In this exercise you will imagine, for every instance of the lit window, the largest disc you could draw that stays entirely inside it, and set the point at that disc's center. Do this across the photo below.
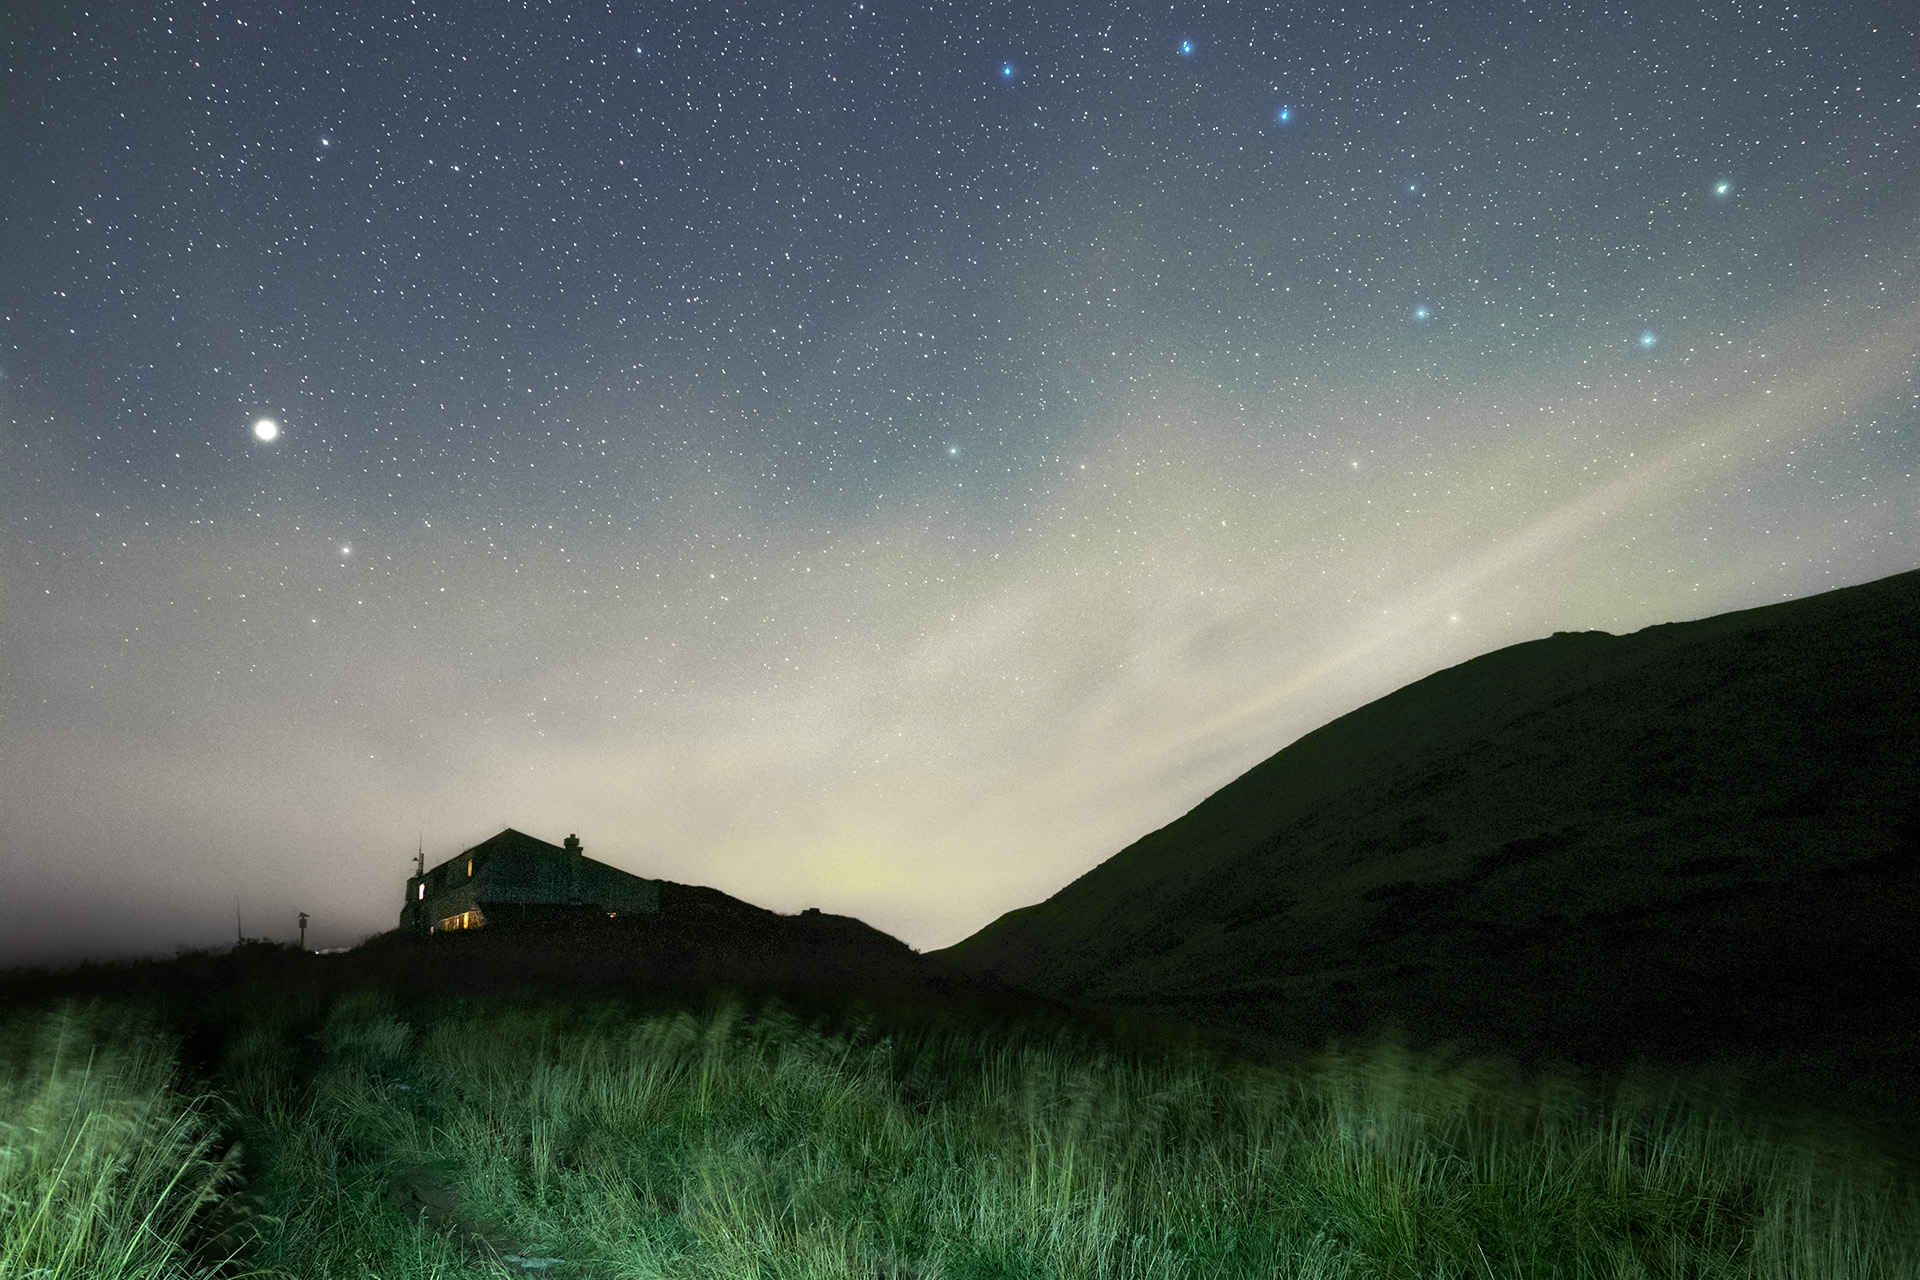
(423, 891)
(469, 866)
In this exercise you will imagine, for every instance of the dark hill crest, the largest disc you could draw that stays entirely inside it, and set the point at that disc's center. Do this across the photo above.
(1697, 842)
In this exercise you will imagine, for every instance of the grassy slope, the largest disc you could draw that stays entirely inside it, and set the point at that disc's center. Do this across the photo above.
(107, 1170)
(727, 1144)
(437, 1134)
(1696, 840)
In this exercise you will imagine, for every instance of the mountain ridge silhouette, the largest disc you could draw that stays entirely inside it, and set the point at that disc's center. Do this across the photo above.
(1696, 843)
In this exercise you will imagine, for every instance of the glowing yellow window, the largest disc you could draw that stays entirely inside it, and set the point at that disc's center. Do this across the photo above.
(469, 866)
(423, 891)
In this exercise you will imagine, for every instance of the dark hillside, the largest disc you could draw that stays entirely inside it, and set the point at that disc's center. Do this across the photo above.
(701, 944)
(1696, 843)
(699, 938)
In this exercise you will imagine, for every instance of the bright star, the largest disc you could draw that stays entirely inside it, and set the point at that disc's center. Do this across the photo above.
(1286, 114)
(1186, 48)
(1419, 313)
(266, 429)
(1646, 339)
(1723, 188)
(953, 451)
(1006, 71)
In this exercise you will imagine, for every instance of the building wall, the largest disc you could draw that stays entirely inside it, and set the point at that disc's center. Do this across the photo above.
(515, 871)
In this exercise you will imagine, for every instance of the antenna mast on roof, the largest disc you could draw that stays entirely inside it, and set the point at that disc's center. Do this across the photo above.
(420, 858)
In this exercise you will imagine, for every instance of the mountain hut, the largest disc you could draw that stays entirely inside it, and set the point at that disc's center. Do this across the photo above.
(513, 876)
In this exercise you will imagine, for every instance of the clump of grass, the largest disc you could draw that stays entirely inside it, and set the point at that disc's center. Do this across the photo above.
(730, 1145)
(107, 1171)
(329, 1141)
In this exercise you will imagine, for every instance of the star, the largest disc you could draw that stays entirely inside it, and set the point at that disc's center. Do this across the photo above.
(713, 313)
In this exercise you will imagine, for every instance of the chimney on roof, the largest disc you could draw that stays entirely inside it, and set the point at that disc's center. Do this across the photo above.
(573, 846)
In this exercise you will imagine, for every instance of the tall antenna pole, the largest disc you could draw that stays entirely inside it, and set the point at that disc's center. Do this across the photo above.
(420, 858)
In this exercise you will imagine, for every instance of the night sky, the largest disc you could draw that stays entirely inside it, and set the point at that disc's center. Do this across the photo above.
(883, 457)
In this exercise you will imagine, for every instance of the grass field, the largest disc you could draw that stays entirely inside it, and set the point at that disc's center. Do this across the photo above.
(107, 1170)
(485, 1138)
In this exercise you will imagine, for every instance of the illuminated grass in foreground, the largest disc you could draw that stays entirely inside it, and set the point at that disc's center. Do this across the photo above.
(614, 1144)
(107, 1170)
